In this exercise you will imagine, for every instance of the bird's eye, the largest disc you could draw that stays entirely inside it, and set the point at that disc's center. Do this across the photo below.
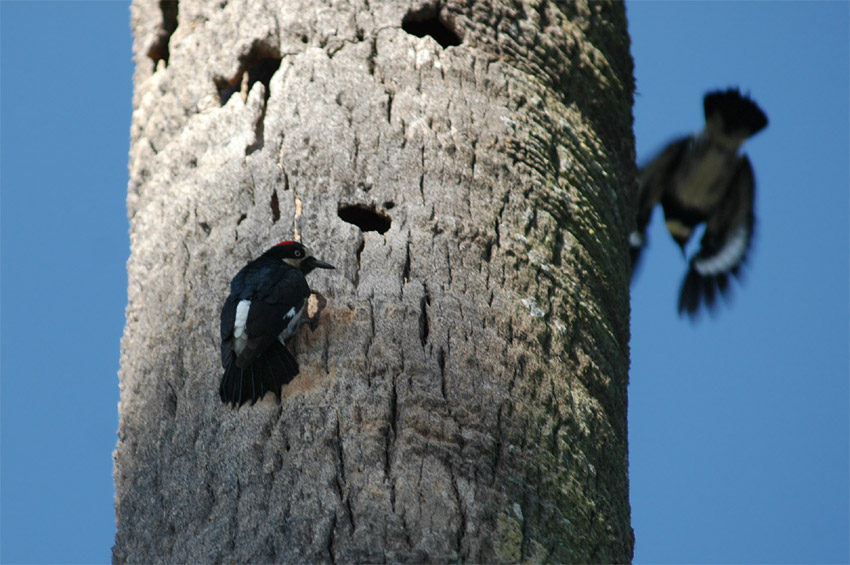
(297, 253)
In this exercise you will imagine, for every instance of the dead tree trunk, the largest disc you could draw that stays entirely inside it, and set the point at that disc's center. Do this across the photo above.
(464, 165)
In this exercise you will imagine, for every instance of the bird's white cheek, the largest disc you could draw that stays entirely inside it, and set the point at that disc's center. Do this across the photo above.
(240, 338)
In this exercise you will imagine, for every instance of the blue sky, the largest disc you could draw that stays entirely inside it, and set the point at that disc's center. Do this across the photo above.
(739, 423)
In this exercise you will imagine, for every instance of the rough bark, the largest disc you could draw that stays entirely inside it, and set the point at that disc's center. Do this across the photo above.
(464, 395)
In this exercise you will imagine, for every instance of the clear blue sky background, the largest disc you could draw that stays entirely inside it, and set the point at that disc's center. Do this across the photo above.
(738, 424)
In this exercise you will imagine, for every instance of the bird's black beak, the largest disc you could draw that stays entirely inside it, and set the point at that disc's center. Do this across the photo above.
(313, 263)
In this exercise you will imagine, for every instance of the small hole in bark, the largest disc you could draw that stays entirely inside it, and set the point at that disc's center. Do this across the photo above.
(261, 63)
(389, 205)
(159, 50)
(364, 217)
(275, 204)
(428, 22)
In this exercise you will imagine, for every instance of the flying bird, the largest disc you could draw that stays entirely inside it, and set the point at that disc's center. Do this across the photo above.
(703, 179)
(267, 301)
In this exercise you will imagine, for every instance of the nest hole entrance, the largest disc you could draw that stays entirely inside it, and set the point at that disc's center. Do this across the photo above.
(261, 63)
(429, 22)
(364, 217)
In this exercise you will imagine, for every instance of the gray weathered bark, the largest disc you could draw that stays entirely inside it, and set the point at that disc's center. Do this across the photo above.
(464, 395)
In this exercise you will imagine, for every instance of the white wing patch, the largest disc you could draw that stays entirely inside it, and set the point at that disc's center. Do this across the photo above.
(728, 257)
(239, 335)
(291, 320)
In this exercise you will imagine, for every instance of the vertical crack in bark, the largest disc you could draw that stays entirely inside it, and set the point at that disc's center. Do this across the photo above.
(499, 217)
(558, 251)
(341, 481)
(373, 53)
(420, 498)
(424, 322)
(326, 352)
(369, 341)
(331, 538)
(253, 191)
(285, 177)
(391, 433)
(441, 361)
(406, 527)
(357, 254)
(422, 174)
(461, 530)
(405, 272)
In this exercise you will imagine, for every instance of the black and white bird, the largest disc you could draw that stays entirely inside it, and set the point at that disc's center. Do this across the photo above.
(267, 301)
(702, 178)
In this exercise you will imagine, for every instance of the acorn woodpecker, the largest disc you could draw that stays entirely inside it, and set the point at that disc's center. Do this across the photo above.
(268, 298)
(699, 179)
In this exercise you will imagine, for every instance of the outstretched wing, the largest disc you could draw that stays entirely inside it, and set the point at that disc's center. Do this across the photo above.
(654, 179)
(725, 244)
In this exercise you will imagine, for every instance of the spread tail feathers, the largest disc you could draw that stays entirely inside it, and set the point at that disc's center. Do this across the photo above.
(700, 289)
(269, 372)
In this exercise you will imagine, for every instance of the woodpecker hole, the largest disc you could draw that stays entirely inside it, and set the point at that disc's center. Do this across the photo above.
(275, 205)
(427, 21)
(364, 217)
(159, 50)
(261, 63)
